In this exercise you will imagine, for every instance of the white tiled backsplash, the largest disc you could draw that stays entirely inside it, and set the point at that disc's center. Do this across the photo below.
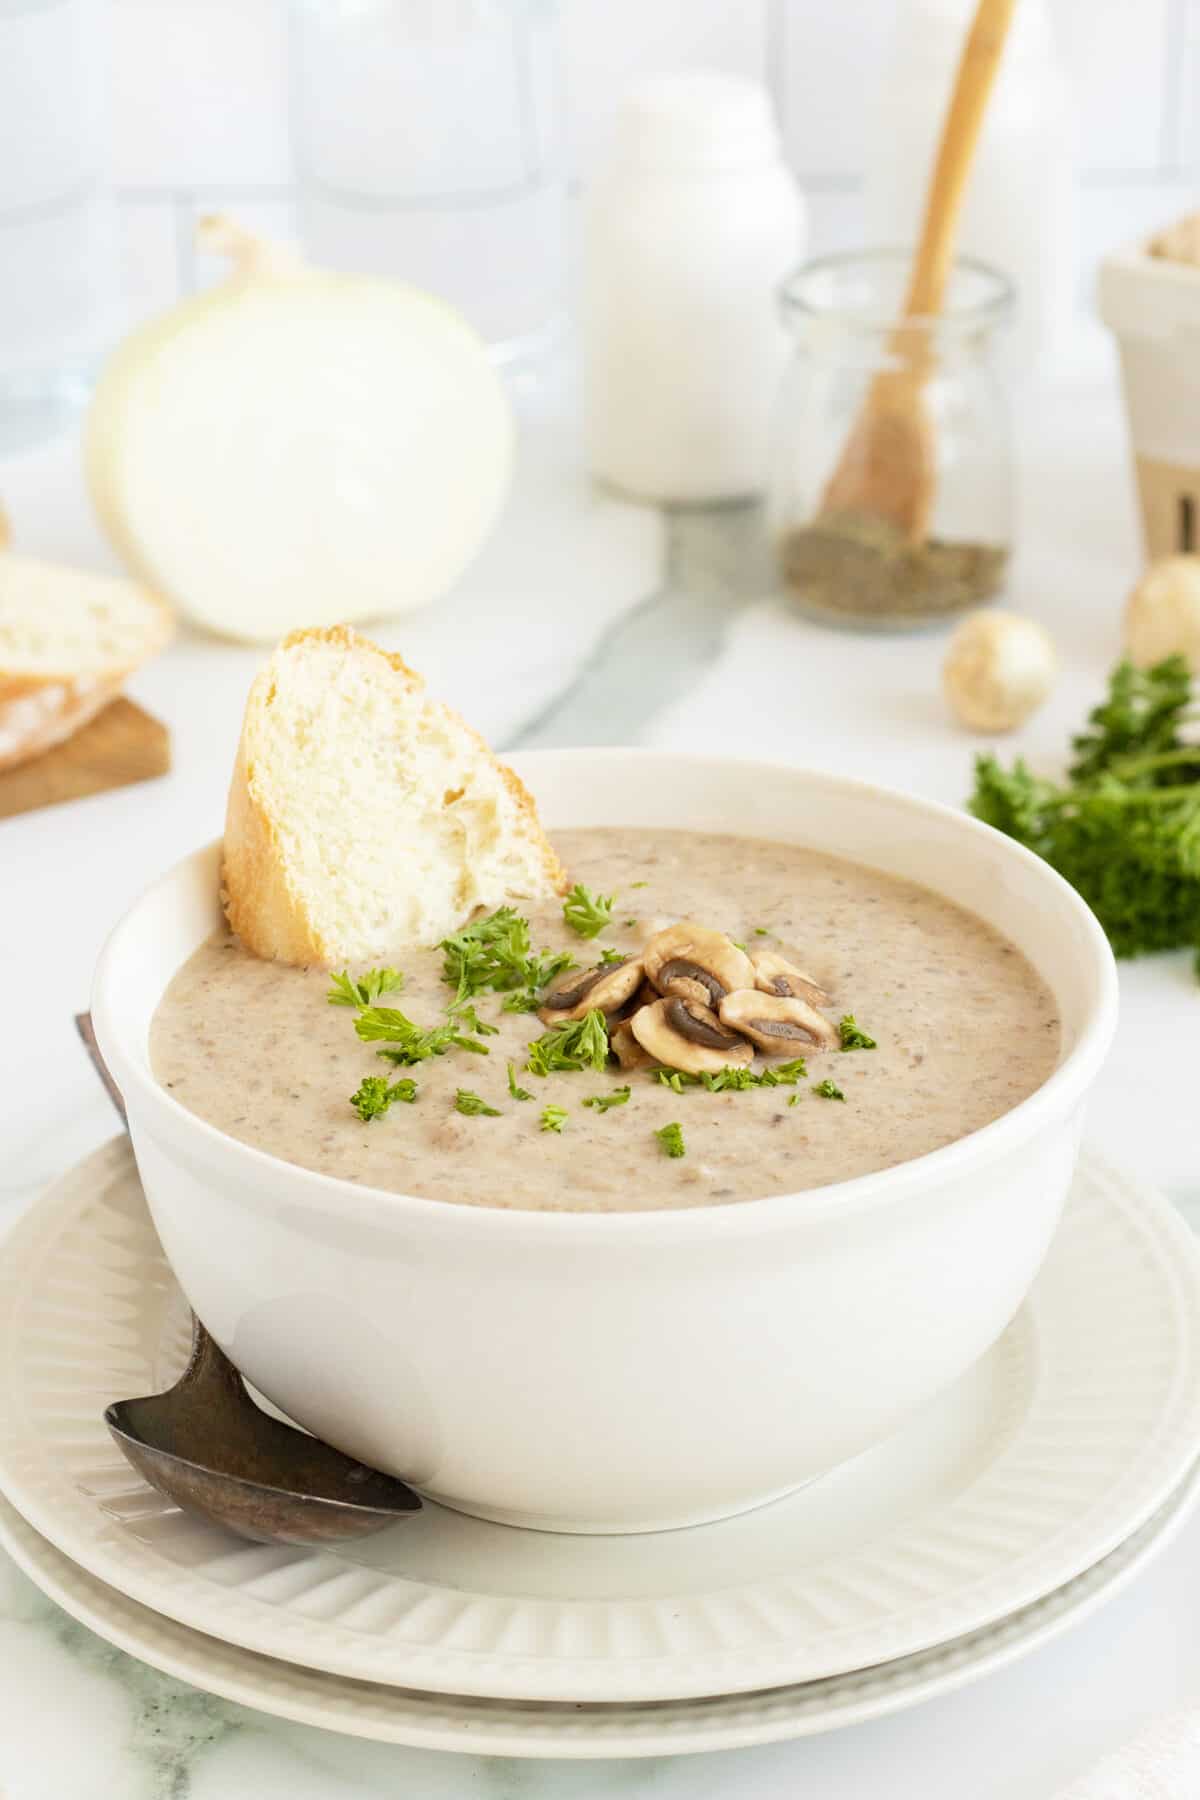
(200, 106)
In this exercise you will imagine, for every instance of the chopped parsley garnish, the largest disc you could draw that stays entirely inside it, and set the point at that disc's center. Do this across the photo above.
(671, 1139)
(553, 1118)
(852, 1037)
(366, 990)
(494, 953)
(473, 1105)
(518, 1093)
(587, 913)
(761, 931)
(582, 1044)
(793, 1099)
(1124, 827)
(734, 1079)
(543, 970)
(675, 1079)
(384, 1024)
(463, 1012)
(603, 1102)
(405, 1042)
(638, 884)
(828, 1090)
(608, 958)
(737, 1079)
(374, 1095)
(738, 944)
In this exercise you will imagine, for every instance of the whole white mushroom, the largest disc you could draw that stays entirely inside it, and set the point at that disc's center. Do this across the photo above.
(998, 670)
(1163, 614)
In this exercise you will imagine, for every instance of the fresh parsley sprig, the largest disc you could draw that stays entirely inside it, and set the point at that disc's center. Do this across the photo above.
(408, 1043)
(553, 1118)
(375, 1094)
(735, 1078)
(587, 913)
(366, 990)
(495, 954)
(1124, 828)
(473, 1105)
(1140, 717)
(671, 1140)
(463, 1012)
(582, 1044)
(605, 1102)
(852, 1036)
(518, 1093)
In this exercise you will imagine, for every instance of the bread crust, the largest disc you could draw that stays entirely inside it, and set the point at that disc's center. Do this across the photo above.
(40, 710)
(261, 904)
(36, 715)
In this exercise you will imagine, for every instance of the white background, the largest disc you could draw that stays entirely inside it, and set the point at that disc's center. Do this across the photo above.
(200, 106)
(199, 90)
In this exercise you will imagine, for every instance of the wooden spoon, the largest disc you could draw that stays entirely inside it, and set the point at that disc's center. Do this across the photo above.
(887, 468)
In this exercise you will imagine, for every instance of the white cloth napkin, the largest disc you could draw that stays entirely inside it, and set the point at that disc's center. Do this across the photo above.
(1161, 1763)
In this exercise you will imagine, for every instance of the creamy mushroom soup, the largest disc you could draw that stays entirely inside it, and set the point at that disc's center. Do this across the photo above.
(731, 1092)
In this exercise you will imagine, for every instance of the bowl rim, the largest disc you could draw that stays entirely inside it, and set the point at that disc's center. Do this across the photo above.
(988, 1144)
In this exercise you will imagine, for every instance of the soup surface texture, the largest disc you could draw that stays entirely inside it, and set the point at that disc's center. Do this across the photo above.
(965, 1029)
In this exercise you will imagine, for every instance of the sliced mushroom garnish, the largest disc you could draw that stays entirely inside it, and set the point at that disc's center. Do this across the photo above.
(626, 1049)
(774, 974)
(777, 1023)
(695, 963)
(685, 1035)
(608, 986)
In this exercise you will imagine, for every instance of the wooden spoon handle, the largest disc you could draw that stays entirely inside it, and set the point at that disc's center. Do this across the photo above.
(972, 86)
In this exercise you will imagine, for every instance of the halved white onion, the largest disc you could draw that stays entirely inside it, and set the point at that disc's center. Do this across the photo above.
(297, 447)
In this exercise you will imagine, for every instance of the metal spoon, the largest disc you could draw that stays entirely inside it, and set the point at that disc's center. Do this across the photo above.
(207, 1446)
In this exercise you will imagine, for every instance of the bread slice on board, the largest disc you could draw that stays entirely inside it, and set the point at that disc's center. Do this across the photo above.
(68, 641)
(365, 817)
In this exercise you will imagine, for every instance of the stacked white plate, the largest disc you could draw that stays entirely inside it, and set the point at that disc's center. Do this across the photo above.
(1007, 1510)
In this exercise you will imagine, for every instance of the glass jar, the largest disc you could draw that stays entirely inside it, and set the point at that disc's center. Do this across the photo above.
(842, 559)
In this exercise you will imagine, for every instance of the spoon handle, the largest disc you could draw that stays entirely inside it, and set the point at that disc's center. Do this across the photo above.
(208, 1366)
(977, 70)
(83, 1025)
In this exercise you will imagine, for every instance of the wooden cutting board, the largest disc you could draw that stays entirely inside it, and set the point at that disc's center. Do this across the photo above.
(119, 746)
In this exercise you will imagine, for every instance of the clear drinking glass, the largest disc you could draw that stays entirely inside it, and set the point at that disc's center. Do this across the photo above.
(428, 143)
(852, 567)
(58, 286)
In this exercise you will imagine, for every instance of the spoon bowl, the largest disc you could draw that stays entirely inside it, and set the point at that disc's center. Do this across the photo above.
(207, 1446)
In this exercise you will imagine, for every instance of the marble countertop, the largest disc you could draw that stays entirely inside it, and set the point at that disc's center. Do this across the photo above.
(588, 620)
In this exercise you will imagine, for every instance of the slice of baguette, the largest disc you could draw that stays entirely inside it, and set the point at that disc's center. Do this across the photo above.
(68, 641)
(365, 817)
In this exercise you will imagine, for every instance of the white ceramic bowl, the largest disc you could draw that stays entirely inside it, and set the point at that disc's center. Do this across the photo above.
(626, 1371)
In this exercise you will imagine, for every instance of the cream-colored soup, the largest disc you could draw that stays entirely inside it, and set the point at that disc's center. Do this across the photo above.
(965, 1030)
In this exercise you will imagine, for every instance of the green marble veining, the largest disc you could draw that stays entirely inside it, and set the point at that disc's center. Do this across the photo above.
(169, 1723)
(717, 564)
(123, 1731)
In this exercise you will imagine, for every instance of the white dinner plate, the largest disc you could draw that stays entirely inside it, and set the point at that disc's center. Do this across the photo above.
(526, 1728)
(1050, 1453)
